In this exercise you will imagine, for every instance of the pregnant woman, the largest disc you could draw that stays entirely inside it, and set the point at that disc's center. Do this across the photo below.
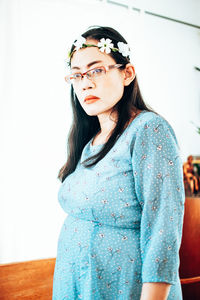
(121, 186)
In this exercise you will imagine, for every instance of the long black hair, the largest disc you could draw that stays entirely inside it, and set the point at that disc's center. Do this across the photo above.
(85, 127)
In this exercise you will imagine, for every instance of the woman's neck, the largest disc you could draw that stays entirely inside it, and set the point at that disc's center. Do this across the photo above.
(107, 126)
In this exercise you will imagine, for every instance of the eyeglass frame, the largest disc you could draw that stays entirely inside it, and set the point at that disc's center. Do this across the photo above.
(106, 68)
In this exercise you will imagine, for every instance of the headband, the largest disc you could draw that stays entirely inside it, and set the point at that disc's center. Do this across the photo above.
(104, 45)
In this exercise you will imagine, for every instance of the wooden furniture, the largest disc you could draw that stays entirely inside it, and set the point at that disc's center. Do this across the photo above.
(190, 250)
(33, 280)
(27, 280)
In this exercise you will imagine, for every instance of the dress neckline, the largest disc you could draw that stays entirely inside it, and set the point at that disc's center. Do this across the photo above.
(100, 145)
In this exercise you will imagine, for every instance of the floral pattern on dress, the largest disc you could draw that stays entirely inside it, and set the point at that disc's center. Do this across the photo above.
(125, 215)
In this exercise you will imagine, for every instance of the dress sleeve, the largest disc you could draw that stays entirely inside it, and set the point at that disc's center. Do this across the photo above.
(158, 176)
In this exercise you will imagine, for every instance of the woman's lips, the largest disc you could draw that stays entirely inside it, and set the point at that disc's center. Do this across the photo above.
(91, 99)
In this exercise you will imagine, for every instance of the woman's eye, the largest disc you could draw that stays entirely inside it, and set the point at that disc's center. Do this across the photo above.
(76, 76)
(97, 71)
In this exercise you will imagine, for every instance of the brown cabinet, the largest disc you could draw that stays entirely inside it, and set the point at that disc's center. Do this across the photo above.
(190, 250)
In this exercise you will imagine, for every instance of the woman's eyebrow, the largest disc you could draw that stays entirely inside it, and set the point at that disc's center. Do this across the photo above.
(89, 65)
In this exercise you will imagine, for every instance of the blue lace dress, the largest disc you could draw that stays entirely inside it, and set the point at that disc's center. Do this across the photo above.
(125, 217)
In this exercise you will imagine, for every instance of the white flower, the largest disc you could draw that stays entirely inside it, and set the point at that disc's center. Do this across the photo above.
(159, 147)
(124, 49)
(105, 45)
(104, 201)
(79, 42)
(101, 235)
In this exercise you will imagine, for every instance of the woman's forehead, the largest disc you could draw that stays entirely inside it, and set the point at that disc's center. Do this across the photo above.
(82, 58)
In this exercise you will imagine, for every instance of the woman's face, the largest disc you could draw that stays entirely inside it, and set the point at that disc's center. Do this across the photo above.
(108, 88)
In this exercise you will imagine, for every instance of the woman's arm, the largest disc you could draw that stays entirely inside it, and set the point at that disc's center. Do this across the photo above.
(155, 291)
(158, 177)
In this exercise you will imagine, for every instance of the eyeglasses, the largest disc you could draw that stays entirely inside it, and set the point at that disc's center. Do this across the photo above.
(92, 74)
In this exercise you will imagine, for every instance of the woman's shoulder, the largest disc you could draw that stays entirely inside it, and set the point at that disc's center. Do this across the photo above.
(150, 119)
(151, 125)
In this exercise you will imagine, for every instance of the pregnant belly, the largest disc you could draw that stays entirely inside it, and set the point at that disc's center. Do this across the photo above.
(104, 251)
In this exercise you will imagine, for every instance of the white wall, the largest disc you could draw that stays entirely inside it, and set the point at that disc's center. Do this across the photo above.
(35, 111)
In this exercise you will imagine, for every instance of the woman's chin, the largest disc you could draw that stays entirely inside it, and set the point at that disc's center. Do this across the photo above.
(91, 112)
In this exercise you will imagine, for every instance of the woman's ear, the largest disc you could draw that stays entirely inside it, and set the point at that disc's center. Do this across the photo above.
(129, 74)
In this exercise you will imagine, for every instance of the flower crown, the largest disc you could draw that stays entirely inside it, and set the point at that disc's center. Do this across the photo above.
(105, 45)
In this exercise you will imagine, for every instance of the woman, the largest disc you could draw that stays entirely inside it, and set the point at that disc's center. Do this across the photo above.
(122, 184)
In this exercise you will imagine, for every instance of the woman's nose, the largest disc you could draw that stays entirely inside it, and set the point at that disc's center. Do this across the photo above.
(87, 83)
